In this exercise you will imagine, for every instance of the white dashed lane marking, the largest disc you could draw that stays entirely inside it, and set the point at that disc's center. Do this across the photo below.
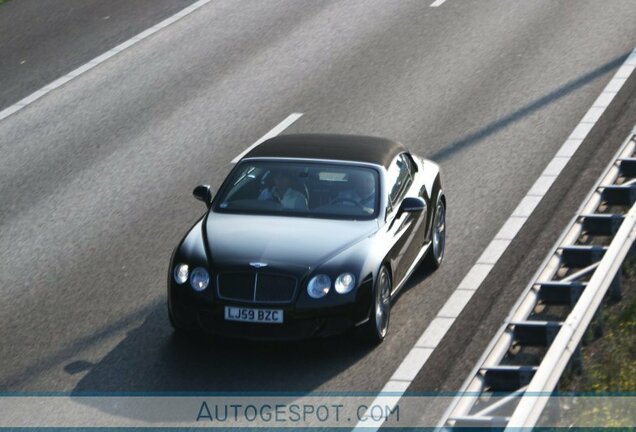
(437, 3)
(275, 131)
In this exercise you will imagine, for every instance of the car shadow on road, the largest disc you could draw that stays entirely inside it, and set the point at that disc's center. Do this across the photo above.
(152, 358)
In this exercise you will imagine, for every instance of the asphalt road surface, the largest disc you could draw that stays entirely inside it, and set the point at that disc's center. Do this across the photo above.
(96, 177)
(40, 40)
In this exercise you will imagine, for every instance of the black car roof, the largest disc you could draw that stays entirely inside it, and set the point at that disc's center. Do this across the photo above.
(379, 151)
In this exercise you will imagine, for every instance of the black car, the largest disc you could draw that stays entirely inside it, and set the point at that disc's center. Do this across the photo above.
(309, 235)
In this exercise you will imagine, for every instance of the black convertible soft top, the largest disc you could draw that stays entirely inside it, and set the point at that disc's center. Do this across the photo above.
(379, 151)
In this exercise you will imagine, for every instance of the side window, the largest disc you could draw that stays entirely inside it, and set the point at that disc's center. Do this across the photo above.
(399, 178)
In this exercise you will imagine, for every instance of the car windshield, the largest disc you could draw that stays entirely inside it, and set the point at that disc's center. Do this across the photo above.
(306, 189)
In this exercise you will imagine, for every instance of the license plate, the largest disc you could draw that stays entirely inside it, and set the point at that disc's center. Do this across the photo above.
(274, 316)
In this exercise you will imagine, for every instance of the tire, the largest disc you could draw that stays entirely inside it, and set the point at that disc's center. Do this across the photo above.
(377, 327)
(435, 256)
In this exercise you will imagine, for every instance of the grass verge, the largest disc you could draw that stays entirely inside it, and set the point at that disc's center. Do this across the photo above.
(609, 362)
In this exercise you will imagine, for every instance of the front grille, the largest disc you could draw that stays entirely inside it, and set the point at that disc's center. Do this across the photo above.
(256, 287)
(236, 286)
(275, 288)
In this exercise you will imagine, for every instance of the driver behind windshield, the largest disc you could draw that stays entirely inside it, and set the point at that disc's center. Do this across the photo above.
(361, 192)
(283, 193)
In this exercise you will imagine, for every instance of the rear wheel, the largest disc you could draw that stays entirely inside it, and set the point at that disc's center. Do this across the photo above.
(378, 325)
(435, 256)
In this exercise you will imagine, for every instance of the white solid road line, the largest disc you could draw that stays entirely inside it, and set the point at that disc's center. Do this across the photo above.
(275, 131)
(437, 3)
(433, 334)
(100, 59)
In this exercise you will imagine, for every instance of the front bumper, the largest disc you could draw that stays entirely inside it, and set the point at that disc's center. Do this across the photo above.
(209, 316)
(293, 327)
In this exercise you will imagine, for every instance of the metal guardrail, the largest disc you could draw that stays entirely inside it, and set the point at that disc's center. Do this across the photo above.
(523, 363)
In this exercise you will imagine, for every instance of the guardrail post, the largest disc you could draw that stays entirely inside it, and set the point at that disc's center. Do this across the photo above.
(599, 321)
(576, 362)
(615, 287)
(596, 328)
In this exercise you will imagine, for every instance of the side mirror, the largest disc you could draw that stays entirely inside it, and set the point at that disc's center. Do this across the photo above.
(412, 205)
(203, 193)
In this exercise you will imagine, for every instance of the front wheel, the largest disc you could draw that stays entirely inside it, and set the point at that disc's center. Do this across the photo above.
(378, 325)
(435, 256)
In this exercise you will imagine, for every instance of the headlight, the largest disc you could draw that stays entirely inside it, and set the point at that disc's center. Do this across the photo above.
(344, 283)
(199, 279)
(181, 273)
(318, 286)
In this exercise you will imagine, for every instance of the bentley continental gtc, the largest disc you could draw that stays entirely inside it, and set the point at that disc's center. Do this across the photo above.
(309, 235)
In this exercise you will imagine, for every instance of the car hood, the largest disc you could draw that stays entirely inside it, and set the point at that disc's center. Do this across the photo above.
(278, 241)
